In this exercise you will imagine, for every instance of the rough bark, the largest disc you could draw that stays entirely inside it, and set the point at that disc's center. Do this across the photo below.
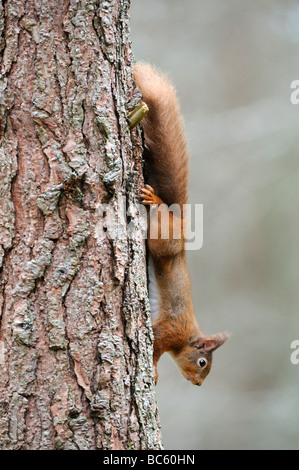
(75, 333)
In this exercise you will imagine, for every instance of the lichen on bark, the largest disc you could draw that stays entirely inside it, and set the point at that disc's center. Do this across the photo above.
(75, 332)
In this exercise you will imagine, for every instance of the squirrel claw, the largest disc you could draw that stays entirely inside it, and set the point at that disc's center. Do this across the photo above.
(148, 196)
(156, 374)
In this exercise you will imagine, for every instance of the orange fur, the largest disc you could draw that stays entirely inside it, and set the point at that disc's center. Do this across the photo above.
(176, 329)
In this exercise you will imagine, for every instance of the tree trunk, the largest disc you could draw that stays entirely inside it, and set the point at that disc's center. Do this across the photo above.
(75, 338)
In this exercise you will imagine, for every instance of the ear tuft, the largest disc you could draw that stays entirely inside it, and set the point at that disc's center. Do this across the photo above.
(211, 343)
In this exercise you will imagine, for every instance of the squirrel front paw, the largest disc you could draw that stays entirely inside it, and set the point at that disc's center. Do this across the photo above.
(149, 197)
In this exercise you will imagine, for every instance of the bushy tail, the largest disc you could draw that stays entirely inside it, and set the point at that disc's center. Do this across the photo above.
(164, 135)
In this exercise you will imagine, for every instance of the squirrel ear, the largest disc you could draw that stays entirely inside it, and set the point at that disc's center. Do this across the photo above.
(211, 343)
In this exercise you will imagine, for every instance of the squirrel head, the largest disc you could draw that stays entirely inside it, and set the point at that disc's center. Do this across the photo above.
(195, 359)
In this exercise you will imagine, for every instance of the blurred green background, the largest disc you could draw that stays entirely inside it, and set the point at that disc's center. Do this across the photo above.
(232, 63)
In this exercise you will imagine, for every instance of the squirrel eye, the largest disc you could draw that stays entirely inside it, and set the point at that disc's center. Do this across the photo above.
(202, 362)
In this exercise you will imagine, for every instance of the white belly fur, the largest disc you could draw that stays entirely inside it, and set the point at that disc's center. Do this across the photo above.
(154, 296)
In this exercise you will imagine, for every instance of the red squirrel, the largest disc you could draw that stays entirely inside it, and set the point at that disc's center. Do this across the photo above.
(175, 327)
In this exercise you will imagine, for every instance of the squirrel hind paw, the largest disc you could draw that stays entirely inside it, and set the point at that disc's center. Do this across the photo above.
(148, 196)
